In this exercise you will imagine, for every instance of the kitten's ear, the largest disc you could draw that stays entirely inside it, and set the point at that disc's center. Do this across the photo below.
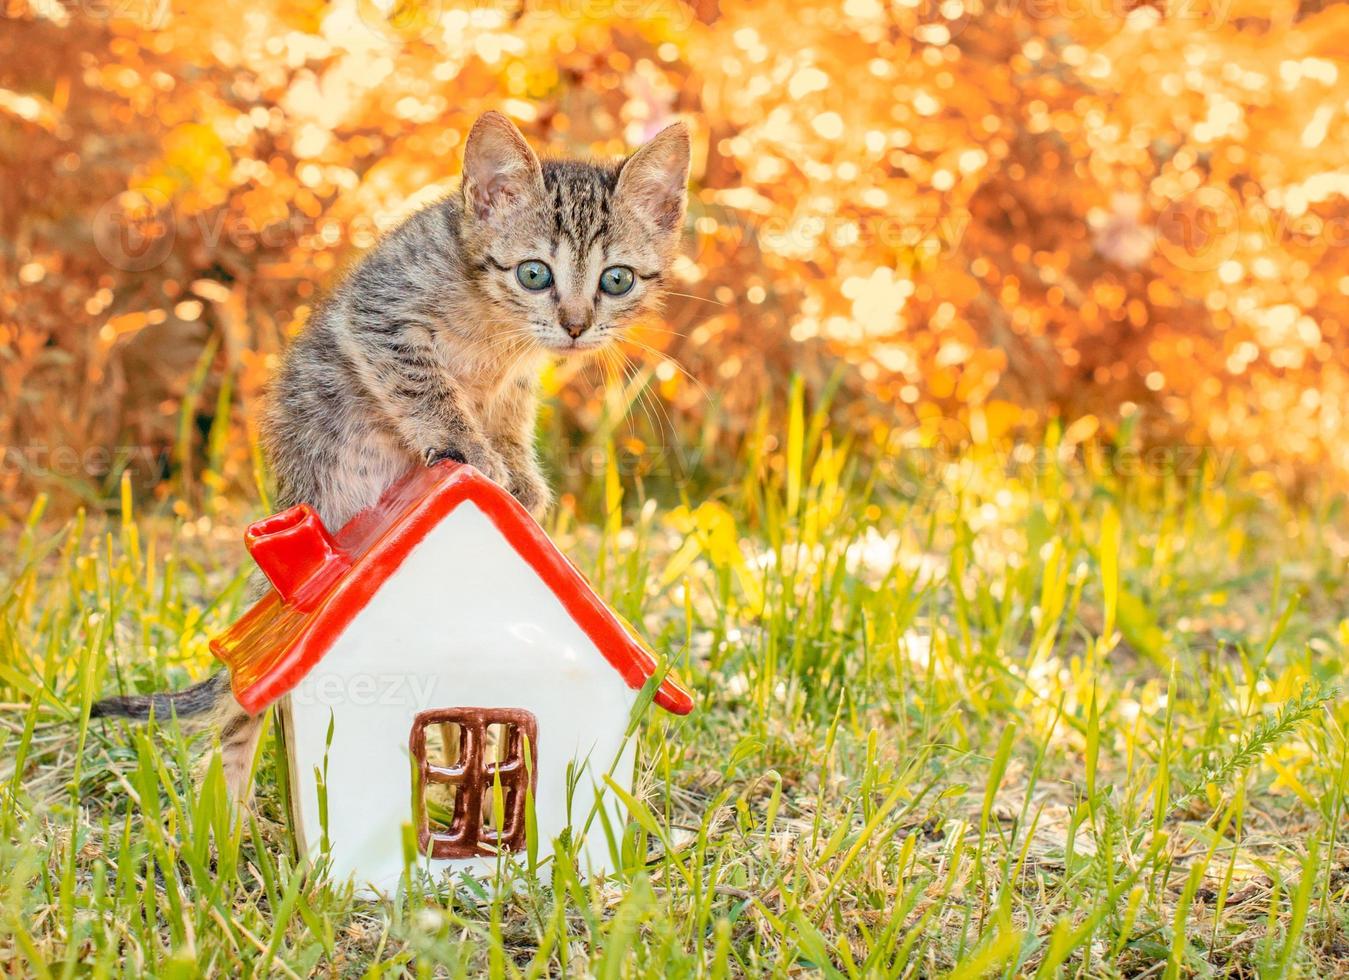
(655, 179)
(500, 170)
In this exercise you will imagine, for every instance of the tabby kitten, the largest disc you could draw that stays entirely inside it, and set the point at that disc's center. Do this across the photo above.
(431, 346)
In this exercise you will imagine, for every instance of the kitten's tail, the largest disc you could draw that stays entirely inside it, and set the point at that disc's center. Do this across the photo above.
(211, 698)
(199, 699)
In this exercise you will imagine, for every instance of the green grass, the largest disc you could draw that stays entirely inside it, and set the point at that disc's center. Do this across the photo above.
(990, 715)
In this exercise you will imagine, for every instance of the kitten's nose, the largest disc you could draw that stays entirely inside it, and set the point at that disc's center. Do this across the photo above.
(574, 320)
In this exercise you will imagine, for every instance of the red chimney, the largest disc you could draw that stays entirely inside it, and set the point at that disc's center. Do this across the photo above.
(296, 553)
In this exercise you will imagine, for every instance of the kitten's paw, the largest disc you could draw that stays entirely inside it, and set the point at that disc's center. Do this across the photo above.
(493, 466)
(434, 456)
(533, 493)
(484, 459)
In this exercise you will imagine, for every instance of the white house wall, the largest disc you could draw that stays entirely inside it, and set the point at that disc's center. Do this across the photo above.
(463, 622)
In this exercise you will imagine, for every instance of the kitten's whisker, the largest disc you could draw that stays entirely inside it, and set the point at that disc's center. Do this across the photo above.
(661, 355)
(652, 405)
(618, 382)
(510, 333)
(508, 343)
(613, 385)
(644, 328)
(618, 402)
(655, 412)
(630, 394)
(701, 299)
(659, 404)
(643, 395)
(614, 388)
(673, 436)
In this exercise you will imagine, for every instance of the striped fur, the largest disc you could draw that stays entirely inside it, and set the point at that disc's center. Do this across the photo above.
(430, 348)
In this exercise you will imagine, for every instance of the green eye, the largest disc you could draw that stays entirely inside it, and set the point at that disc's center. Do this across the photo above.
(616, 280)
(534, 275)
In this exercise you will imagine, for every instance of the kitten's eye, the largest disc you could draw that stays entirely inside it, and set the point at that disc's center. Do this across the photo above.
(534, 275)
(616, 280)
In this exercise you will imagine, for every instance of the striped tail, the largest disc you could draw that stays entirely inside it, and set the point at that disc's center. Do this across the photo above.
(199, 699)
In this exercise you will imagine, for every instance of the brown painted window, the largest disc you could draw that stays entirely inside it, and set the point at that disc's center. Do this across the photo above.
(474, 767)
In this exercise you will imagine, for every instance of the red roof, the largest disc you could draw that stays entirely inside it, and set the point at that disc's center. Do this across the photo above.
(321, 582)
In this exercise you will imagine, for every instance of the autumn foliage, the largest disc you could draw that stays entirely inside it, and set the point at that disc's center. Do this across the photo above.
(999, 213)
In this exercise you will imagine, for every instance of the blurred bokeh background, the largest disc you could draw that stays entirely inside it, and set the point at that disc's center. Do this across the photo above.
(1099, 216)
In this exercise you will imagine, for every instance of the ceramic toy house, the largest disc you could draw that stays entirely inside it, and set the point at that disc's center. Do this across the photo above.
(461, 661)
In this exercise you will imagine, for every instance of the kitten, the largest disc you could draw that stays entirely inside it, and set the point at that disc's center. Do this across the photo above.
(431, 346)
